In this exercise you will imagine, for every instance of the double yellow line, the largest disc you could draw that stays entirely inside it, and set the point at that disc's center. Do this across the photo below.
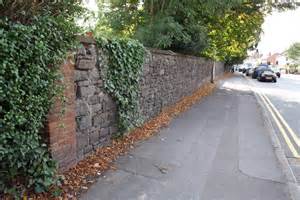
(290, 137)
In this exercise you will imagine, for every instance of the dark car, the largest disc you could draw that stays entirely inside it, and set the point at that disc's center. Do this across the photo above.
(249, 71)
(267, 75)
(276, 70)
(258, 70)
(241, 68)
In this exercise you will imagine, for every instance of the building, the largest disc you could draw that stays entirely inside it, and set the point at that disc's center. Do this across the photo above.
(278, 59)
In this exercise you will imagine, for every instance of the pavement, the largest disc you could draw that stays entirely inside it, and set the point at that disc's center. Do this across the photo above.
(218, 150)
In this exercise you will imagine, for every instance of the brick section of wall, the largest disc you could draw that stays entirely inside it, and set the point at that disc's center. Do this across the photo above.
(60, 127)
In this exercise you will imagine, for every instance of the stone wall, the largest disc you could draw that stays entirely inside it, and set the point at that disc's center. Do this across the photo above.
(95, 109)
(167, 77)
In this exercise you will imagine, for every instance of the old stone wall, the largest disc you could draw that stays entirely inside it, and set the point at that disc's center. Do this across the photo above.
(166, 78)
(95, 109)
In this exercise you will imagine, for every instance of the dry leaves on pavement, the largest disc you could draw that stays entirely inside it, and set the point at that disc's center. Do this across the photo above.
(84, 174)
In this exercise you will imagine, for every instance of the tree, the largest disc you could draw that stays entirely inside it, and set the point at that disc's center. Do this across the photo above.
(231, 35)
(239, 29)
(23, 11)
(221, 30)
(167, 24)
(293, 53)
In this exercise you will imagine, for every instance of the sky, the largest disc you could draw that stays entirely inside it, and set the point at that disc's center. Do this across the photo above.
(91, 5)
(281, 29)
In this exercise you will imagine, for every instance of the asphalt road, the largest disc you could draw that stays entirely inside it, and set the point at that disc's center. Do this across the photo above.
(218, 150)
(283, 98)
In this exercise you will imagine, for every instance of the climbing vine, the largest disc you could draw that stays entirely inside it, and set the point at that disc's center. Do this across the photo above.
(121, 78)
(32, 47)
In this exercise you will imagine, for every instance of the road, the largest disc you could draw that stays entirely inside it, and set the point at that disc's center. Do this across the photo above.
(283, 98)
(218, 150)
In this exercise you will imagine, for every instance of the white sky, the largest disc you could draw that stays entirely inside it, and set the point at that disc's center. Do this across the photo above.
(281, 29)
(91, 5)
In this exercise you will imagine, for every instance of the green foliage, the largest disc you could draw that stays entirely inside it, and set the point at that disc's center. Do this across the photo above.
(24, 10)
(31, 49)
(121, 78)
(293, 53)
(167, 24)
(221, 30)
(241, 28)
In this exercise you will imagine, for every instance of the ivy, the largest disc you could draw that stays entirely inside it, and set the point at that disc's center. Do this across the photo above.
(121, 78)
(30, 54)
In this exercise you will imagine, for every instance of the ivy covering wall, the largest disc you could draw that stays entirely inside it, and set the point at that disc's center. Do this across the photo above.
(121, 78)
(34, 41)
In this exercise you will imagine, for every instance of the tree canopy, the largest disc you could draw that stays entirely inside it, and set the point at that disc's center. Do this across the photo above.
(221, 30)
(167, 24)
(231, 35)
(293, 53)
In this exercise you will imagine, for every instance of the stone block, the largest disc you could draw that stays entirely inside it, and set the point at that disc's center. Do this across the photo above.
(81, 75)
(82, 108)
(85, 92)
(81, 52)
(98, 83)
(94, 137)
(94, 73)
(96, 108)
(161, 72)
(97, 120)
(84, 64)
(104, 132)
(84, 122)
(83, 83)
(95, 99)
(109, 105)
(88, 149)
(82, 141)
(101, 120)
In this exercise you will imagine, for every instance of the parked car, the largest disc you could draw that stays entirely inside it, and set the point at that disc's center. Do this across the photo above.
(241, 68)
(258, 70)
(248, 66)
(276, 70)
(249, 71)
(267, 75)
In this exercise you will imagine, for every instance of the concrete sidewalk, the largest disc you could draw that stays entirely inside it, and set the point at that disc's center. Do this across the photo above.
(218, 150)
